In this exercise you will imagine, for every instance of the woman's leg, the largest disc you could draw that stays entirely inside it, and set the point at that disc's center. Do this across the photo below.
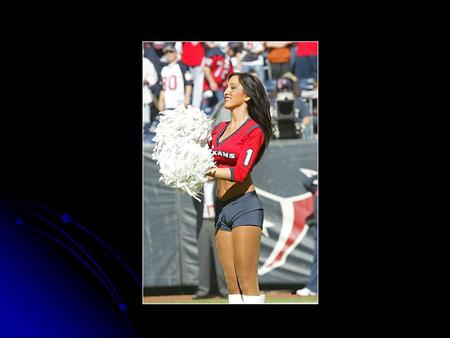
(224, 244)
(246, 244)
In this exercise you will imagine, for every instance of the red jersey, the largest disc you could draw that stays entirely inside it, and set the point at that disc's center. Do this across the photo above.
(307, 48)
(238, 151)
(220, 67)
(193, 53)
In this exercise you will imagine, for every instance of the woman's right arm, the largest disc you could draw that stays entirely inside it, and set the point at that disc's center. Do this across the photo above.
(209, 77)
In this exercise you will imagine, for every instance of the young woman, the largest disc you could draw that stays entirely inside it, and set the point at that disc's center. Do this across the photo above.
(237, 146)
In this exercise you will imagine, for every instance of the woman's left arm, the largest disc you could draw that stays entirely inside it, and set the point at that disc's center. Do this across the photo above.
(245, 162)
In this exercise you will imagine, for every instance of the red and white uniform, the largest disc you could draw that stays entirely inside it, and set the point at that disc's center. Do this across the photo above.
(175, 77)
(238, 151)
(220, 67)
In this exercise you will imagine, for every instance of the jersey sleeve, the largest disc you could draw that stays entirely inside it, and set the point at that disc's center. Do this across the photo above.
(247, 156)
(187, 76)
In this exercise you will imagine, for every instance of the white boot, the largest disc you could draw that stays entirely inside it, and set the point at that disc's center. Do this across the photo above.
(235, 299)
(254, 299)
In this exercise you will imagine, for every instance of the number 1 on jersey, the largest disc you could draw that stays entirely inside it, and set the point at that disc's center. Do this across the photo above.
(247, 158)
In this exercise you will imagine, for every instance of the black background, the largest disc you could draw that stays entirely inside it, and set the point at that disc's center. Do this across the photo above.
(72, 103)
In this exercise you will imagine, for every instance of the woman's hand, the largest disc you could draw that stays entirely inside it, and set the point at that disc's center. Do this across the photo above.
(211, 172)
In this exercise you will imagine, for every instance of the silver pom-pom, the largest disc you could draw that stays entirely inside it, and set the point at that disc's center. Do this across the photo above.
(181, 149)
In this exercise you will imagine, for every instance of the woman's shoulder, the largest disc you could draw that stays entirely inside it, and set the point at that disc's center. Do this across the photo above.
(219, 126)
(252, 126)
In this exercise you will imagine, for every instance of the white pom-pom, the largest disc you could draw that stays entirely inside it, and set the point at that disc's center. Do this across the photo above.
(181, 149)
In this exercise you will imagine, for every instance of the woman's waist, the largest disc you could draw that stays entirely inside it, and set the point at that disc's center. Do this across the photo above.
(236, 199)
(227, 190)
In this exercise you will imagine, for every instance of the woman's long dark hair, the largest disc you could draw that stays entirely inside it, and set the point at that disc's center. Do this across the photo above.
(258, 106)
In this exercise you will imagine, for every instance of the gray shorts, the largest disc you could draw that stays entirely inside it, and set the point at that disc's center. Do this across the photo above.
(243, 210)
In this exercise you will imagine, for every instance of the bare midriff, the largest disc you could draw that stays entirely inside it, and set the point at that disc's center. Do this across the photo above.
(227, 190)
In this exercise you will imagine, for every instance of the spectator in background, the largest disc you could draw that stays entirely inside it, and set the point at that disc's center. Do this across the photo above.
(311, 184)
(306, 64)
(279, 56)
(193, 54)
(150, 78)
(304, 112)
(234, 50)
(252, 58)
(287, 88)
(215, 47)
(207, 251)
(176, 81)
(153, 52)
(217, 68)
(222, 47)
(150, 52)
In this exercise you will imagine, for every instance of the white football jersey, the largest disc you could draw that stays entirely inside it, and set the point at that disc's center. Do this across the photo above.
(174, 78)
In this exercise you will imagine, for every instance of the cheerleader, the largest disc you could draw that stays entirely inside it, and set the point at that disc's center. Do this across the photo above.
(237, 146)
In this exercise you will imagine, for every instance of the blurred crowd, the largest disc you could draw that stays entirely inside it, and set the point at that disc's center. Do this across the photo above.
(195, 73)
